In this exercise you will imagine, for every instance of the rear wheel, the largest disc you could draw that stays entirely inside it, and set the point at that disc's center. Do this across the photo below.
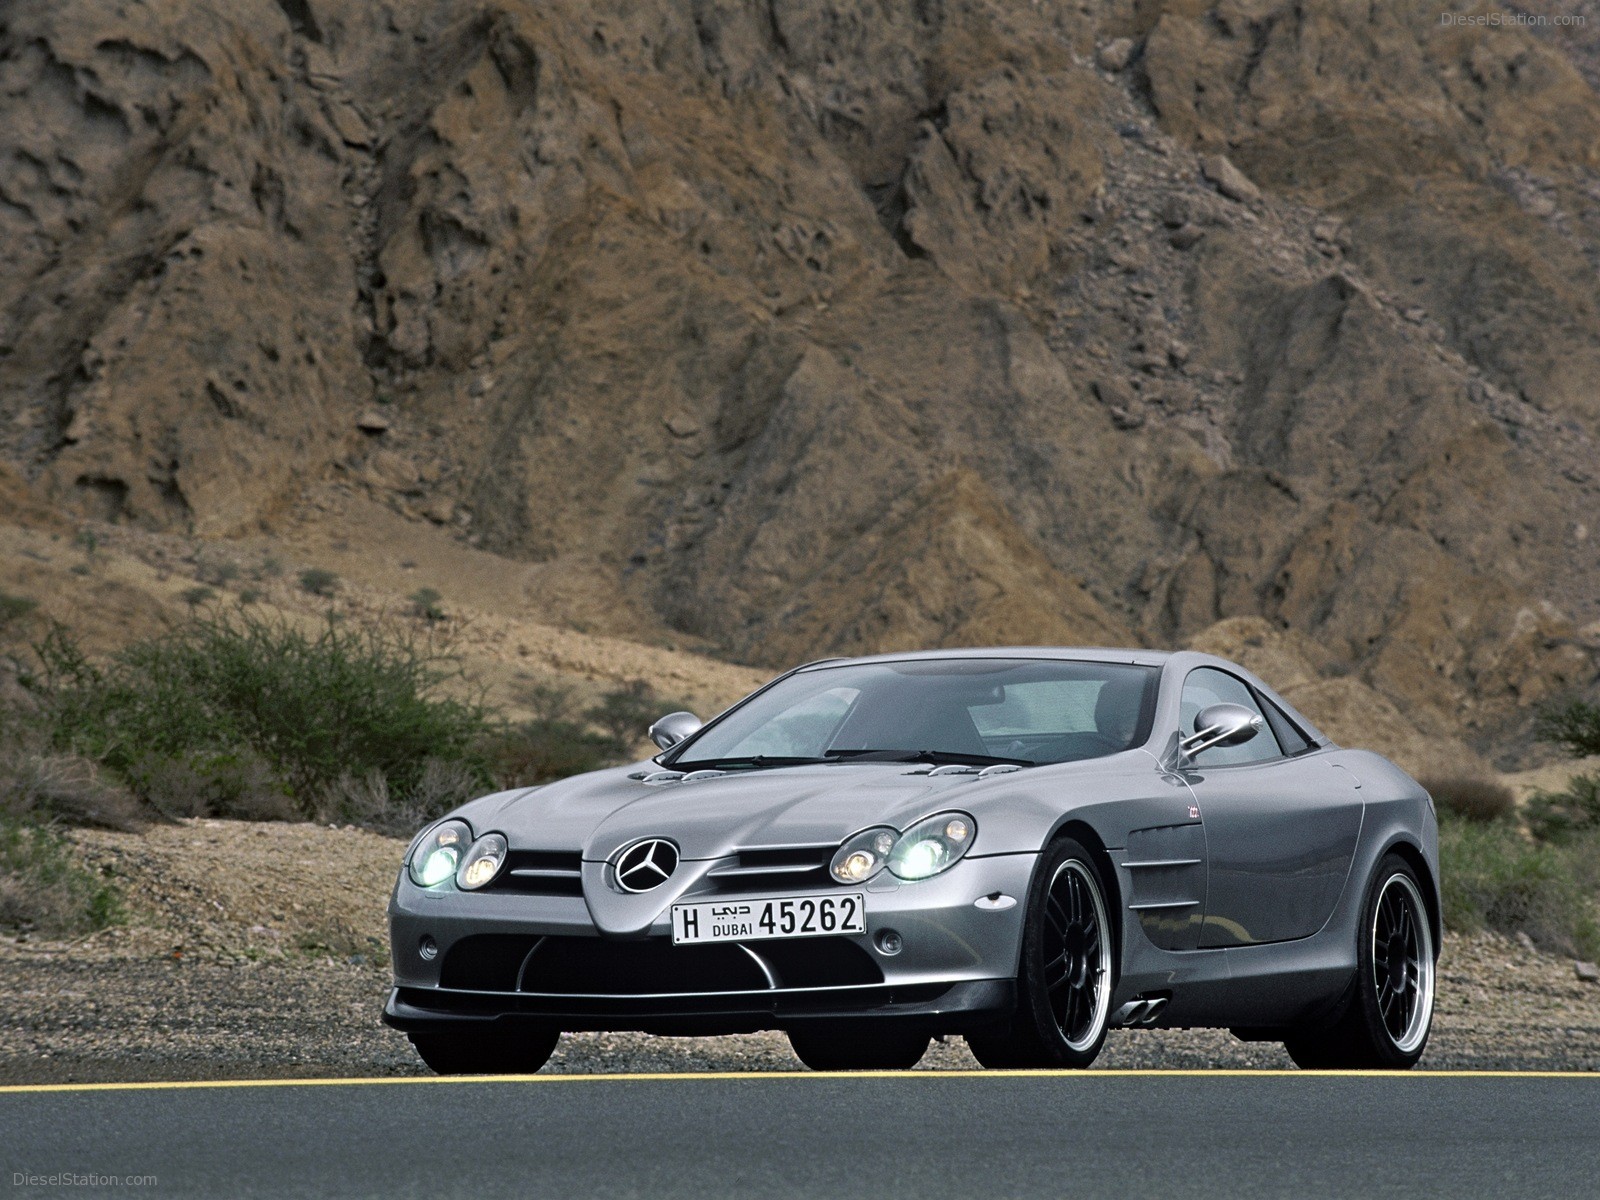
(1386, 1021)
(858, 1046)
(476, 1052)
(1064, 985)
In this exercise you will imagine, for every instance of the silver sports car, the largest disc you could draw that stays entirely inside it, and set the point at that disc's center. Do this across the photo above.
(1029, 847)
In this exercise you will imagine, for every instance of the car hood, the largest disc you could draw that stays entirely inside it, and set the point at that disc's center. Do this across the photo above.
(599, 813)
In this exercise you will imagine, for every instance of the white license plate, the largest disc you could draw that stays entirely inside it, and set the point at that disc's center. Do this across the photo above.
(758, 920)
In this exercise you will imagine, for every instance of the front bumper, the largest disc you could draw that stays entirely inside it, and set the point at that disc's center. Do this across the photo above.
(940, 1008)
(545, 959)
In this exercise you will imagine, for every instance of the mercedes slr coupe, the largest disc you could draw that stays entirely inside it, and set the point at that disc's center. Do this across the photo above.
(1026, 847)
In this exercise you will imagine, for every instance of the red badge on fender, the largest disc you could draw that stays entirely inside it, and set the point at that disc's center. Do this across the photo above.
(1194, 812)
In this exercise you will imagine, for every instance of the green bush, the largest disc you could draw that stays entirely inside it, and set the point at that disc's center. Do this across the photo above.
(1561, 816)
(544, 749)
(13, 609)
(45, 889)
(319, 582)
(625, 714)
(549, 701)
(235, 715)
(1494, 877)
(425, 604)
(314, 707)
(1575, 726)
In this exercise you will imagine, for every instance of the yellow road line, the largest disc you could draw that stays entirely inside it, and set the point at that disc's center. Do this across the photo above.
(664, 1076)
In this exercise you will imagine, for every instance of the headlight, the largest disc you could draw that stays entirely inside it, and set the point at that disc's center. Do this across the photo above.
(438, 854)
(931, 846)
(482, 863)
(864, 855)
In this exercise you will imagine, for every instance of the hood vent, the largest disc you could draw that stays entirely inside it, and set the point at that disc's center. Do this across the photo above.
(965, 769)
(658, 777)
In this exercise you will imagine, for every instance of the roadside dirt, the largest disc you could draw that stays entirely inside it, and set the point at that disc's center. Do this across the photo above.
(257, 950)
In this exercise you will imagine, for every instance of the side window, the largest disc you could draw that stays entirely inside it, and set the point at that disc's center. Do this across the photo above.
(1289, 735)
(1206, 686)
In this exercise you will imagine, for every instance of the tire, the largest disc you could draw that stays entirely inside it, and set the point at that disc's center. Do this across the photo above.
(1389, 1011)
(475, 1052)
(1067, 973)
(858, 1046)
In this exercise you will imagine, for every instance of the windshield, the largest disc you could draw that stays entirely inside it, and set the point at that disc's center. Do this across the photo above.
(978, 710)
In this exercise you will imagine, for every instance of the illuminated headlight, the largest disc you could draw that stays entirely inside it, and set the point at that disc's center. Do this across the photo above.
(863, 855)
(482, 863)
(436, 857)
(931, 846)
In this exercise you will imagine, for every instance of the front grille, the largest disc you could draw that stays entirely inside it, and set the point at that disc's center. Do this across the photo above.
(541, 873)
(578, 965)
(765, 870)
(571, 966)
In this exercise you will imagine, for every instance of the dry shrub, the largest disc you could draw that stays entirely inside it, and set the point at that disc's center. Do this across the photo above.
(63, 787)
(45, 889)
(1472, 797)
(238, 785)
(368, 800)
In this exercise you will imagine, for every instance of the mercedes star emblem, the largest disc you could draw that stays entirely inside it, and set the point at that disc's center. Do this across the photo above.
(645, 865)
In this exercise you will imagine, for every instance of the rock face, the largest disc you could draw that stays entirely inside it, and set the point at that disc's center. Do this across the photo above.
(811, 326)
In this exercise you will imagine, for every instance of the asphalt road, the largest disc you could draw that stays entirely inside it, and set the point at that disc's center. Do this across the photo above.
(925, 1135)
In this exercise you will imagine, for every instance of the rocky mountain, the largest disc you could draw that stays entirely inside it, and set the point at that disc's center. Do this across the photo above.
(796, 327)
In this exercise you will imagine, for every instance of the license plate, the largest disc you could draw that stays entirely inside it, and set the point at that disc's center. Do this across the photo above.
(759, 920)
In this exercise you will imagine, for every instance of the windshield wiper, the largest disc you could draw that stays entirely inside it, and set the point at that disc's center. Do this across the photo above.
(747, 762)
(937, 757)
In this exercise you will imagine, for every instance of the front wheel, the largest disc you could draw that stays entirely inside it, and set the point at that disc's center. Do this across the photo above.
(849, 1046)
(475, 1052)
(1386, 1022)
(1064, 985)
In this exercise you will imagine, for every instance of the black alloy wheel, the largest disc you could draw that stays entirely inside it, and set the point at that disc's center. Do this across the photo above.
(1386, 1021)
(1067, 974)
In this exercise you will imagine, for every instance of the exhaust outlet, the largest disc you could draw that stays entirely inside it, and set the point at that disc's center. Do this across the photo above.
(1131, 1013)
(1153, 1010)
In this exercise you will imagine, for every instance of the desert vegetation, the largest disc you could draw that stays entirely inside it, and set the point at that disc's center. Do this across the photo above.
(1536, 871)
(230, 714)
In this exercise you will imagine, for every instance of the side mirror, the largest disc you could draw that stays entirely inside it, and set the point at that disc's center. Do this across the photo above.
(673, 728)
(1221, 725)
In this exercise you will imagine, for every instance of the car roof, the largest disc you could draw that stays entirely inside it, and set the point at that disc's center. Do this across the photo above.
(1107, 654)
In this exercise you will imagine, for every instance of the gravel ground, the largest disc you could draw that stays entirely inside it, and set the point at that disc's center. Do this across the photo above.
(256, 950)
